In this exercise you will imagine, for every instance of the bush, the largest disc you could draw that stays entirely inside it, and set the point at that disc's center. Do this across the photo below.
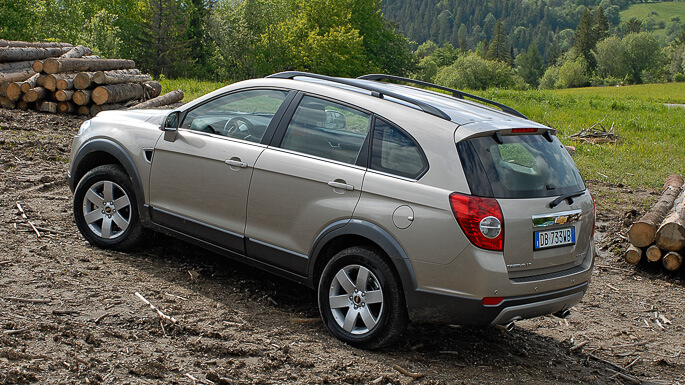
(572, 74)
(679, 78)
(550, 78)
(473, 72)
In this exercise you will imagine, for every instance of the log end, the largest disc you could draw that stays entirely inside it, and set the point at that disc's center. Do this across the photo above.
(641, 234)
(50, 66)
(633, 255)
(100, 95)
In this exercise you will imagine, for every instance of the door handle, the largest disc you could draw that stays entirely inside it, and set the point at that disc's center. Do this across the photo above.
(341, 185)
(236, 163)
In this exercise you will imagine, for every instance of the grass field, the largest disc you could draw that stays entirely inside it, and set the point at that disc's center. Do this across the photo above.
(664, 11)
(652, 134)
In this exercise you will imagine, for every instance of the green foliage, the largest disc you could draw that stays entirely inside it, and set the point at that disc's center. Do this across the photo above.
(192, 88)
(529, 66)
(573, 73)
(610, 54)
(473, 72)
(643, 56)
(679, 77)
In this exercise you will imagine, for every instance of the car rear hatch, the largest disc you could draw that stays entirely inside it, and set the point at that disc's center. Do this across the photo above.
(547, 213)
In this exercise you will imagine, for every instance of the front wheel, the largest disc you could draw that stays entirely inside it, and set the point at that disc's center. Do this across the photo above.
(361, 300)
(105, 209)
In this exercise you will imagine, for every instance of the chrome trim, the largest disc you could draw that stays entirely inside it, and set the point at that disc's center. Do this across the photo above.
(560, 218)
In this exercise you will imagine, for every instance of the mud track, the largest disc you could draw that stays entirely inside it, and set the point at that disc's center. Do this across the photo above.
(69, 313)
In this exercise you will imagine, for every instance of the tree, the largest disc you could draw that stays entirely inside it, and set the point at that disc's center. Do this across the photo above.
(586, 39)
(497, 49)
(643, 55)
(601, 25)
(473, 72)
(611, 58)
(529, 65)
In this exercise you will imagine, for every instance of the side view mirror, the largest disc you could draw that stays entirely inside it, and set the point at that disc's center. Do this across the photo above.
(170, 125)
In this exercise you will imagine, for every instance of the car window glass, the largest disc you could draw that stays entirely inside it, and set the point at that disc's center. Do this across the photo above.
(393, 152)
(241, 115)
(327, 129)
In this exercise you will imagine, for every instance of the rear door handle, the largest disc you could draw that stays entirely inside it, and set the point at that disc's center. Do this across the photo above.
(341, 185)
(236, 163)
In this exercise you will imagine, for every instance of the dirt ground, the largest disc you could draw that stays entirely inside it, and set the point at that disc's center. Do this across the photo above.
(69, 313)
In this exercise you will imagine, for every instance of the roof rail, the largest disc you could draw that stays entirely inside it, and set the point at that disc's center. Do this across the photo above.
(375, 91)
(455, 93)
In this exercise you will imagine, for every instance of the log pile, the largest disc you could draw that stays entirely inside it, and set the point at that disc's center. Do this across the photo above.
(659, 236)
(58, 77)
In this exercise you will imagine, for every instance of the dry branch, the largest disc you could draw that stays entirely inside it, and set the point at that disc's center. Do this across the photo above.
(23, 215)
(153, 307)
(596, 134)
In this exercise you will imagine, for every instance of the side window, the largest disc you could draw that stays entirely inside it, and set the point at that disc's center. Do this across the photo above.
(393, 152)
(327, 129)
(241, 115)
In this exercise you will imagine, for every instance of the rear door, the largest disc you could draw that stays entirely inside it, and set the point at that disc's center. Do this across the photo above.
(309, 180)
(548, 213)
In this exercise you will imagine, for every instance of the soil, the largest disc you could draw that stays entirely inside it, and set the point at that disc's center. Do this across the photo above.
(69, 313)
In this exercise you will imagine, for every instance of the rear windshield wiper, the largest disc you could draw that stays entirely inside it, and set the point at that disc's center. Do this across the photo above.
(568, 197)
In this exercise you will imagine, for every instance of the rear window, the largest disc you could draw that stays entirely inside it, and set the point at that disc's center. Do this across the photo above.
(518, 166)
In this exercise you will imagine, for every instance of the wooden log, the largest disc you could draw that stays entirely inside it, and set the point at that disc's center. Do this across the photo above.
(30, 53)
(96, 108)
(11, 43)
(34, 94)
(29, 83)
(163, 100)
(64, 95)
(82, 97)
(46, 106)
(51, 80)
(66, 107)
(77, 52)
(6, 103)
(152, 90)
(16, 76)
(16, 66)
(3, 89)
(37, 66)
(65, 84)
(52, 66)
(653, 253)
(100, 76)
(83, 110)
(41, 80)
(670, 235)
(118, 93)
(643, 232)
(672, 261)
(633, 255)
(84, 80)
(13, 91)
(22, 105)
(108, 77)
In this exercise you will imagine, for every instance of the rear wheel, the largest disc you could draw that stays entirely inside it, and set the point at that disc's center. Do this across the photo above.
(361, 300)
(105, 209)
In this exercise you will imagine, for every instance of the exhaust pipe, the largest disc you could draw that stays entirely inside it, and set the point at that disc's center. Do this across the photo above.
(507, 327)
(562, 314)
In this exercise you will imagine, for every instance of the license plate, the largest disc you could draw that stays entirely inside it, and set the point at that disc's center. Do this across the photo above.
(555, 238)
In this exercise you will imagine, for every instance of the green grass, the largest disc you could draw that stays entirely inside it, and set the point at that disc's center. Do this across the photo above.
(665, 11)
(653, 135)
(191, 88)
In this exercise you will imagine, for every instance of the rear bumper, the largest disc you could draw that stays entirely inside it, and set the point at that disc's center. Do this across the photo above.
(434, 307)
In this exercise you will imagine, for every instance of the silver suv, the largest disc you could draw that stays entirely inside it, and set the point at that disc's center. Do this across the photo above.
(393, 202)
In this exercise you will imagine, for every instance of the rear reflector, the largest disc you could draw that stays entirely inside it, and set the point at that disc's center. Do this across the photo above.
(492, 301)
(480, 219)
(524, 130)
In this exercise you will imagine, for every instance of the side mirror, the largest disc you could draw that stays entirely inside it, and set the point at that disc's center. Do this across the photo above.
(170, 125)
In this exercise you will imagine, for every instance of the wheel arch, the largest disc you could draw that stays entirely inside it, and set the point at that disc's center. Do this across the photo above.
(341, 235)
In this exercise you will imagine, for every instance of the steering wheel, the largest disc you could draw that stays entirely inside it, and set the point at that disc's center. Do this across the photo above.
(235, 124)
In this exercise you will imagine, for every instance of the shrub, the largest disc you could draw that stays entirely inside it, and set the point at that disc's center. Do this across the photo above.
(473, 72)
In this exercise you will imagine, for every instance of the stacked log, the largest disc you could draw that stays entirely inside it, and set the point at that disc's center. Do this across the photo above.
(58, 77)
(659, 236)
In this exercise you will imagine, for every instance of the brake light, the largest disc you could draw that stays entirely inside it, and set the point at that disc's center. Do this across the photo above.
(524, 130)
(480, 219)
(594, 214)
(492, 301)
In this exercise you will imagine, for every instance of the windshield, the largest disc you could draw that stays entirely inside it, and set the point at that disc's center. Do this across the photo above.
(518, 166)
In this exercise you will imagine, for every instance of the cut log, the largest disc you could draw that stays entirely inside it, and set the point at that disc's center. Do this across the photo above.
(83, 110)
(76, 52)
(22, 105)
(643, 232)
(100, 76)
(3, 89)
(11, 43)
(40, 81)
(46, 106)
(653, 253)
(633, 255)
(34, 94)
(37, 66)
(51, 80)
(13, 91)
(30, 53)
(109, 77)
(82, 97)
(672, 261)
(118, 93)
(53, 66)
(29, 83)
(16, 66)
(671, 233)
(96, 108)
(83, 80)
(17, 76)
(65, 84)
(64, 95)
(152, 90)
(163, 100)
(66, 108)
(6, 103)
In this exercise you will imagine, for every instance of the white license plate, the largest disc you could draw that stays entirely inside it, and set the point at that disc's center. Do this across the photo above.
(555, 238)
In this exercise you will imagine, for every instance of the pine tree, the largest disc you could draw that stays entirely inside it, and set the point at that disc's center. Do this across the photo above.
(601, 24)
(497, 49)
(586, 39)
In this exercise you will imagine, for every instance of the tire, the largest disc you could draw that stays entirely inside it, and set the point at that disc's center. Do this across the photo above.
(106, 209)
(365, 313)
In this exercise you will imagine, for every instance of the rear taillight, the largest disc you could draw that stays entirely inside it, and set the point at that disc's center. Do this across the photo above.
(480, 219)
(594, 214)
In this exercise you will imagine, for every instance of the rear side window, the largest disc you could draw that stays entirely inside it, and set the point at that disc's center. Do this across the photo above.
(394, 152)
(521, 166)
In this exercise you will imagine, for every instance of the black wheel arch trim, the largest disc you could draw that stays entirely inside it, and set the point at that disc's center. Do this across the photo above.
(122, 156)
(373, 233)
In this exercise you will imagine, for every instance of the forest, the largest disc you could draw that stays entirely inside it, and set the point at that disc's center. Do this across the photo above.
(461, 43)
